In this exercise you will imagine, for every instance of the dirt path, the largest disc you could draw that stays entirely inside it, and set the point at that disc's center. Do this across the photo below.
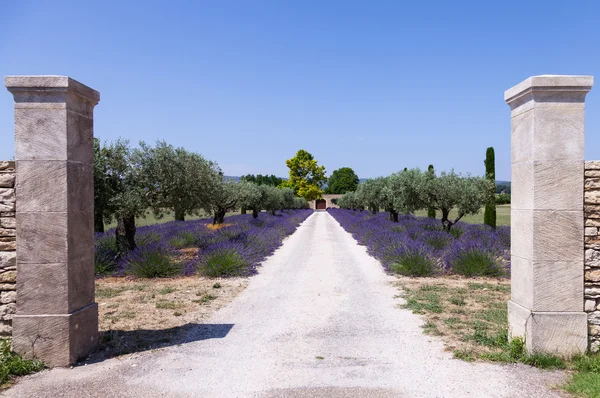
(320, 320)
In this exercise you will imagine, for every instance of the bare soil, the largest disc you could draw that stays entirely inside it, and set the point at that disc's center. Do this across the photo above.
(140, 314)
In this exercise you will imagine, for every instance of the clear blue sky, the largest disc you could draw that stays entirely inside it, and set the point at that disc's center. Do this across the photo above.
(374, 85)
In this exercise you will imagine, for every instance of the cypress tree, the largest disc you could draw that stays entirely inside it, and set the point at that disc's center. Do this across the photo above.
(431, 210)
(489, 215)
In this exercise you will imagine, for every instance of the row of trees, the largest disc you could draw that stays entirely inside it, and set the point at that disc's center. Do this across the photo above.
(412, 189)
(163, 179)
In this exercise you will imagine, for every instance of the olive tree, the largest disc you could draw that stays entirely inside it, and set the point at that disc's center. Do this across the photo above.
(369, 193)
(407, 190)
(175, 179)
(252, 198)
(120, 192)
(300, 203)
(272, 198)
(451, 191)
(227, 195)
(287, 195)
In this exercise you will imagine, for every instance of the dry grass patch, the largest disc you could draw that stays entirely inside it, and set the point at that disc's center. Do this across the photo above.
(138, 314)
(470, 314)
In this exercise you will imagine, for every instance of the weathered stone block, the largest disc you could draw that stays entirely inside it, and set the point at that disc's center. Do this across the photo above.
(8, 259)
(52, 145)
(592, 197)
(591, 231)
(8, 246)
(522, 281)
(7, 207)
(7, 165)
(559, 134)
(592, 183)
(7, 180)
(7, 195)
(5, 328)
(7, 310)
(521, 238)
(592, 173)
(592, 165)
(60, 340)
(42, 238)
(557, 286)
(7, 232)
(592, 292)
(8, 286)
(35, 297)
(592, 275)
(8, 297)
(8, 277)
(6, 222)
(592, 222)
(39, 180)
(590, 305)
(521, 138)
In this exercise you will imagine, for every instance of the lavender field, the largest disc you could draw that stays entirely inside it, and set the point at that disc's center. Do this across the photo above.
(183, 248)
(418, 246)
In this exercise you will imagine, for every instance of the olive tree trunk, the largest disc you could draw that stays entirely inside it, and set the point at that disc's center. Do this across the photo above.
(125, 235)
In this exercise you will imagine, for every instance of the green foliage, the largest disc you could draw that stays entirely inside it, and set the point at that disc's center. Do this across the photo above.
(223, 263)
(409, 188)
(287, 198)
(451, 191)
(306, 177)
(12, 364)
(228, 195)
(175, 179)
(476, 263)
(105, 259)
(184, 239)
(431, 210)
(153, 264)
(371, 194)
(260, 179)
(414, 264)
(120, 192)
(341, 181)
(271, 198)
(503, 199)
(489, 215)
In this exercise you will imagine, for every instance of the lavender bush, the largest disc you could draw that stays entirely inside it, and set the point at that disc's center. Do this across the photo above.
(419, 246)
(234, 248)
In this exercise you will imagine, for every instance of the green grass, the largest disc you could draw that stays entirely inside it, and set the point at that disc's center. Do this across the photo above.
(150, 219)
(12, 365)
(166, 290)
(473, 322)
(502, 216)
(169, 305)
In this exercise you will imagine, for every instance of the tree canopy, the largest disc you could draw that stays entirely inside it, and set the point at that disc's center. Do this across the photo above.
(175, 179)
(260, 179)
(306, 177)
(341, 181)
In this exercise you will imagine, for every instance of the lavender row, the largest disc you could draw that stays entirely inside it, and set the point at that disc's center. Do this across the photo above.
(177, 248)
(419, 246)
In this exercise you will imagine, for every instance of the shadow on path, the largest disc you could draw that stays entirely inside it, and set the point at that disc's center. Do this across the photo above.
(120, 342)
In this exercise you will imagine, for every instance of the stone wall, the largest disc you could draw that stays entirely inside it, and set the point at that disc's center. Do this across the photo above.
(328, 200)
(592, 252)
(8, 263)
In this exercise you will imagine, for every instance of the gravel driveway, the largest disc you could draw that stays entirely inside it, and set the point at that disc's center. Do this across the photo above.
(320, 320)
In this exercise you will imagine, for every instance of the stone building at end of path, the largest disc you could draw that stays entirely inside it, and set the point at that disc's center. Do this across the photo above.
(327, 201)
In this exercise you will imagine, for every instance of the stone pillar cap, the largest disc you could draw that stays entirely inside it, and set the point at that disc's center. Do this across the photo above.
(51, 83)
(549, 83)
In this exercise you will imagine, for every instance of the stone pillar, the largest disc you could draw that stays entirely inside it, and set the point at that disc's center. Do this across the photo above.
(547, 150)
(57, 318)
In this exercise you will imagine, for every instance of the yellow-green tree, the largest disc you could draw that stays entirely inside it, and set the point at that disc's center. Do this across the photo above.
(306, 176)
